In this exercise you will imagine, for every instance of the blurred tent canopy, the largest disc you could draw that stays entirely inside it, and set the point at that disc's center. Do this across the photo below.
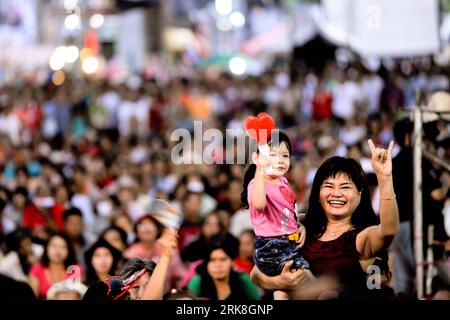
(315, 53)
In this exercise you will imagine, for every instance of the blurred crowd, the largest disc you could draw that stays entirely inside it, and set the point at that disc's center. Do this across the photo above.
(80, 162)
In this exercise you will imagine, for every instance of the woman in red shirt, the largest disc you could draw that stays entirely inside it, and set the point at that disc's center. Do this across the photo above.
(57, 264)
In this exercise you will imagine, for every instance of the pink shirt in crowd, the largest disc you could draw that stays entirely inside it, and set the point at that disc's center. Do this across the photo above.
(38, 270)
(176, 270)
(278, 217)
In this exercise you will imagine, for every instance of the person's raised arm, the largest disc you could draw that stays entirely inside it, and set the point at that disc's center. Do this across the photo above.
(374, 239)
(155, 287)
(258, 199)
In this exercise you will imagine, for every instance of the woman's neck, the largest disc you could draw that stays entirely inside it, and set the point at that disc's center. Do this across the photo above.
(338, 223)
(223, 288)
(52, 266)
(148, 245)
(102, 276)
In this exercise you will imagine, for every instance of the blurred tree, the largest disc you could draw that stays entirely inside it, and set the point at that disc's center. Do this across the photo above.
(445, 6)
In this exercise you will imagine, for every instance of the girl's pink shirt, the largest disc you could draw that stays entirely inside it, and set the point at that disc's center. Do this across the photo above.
(278, 217)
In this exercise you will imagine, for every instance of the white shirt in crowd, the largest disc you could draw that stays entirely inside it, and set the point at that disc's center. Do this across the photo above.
(110, 100)
(371, 88)
(11, 126)
(239, 222)
(139, 110)
(345, 96)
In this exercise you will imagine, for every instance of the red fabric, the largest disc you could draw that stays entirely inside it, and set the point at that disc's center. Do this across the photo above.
(39, 271)
(105, 182)
(187, 234)
(322, 105)
(33, 217)
(30, 115)
(337, 257)
(242, 265)
(56, 212)
(91, 41)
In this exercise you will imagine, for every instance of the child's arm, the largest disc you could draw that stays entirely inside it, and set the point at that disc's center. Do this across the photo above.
(258, 200)
(259, 191)
(302, 231)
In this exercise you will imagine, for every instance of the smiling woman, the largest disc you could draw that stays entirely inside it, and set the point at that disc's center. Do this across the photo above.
(343, 232)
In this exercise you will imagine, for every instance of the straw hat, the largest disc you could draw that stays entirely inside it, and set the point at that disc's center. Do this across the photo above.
(440, 102)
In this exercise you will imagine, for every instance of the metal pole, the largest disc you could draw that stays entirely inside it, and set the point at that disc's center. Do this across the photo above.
(418, 244)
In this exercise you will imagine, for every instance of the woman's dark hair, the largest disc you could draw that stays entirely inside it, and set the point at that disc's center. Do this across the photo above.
(178, 295)
(134, 265)
(402, 128)
(24, 192)
(13, 239)
(70, 259)
(5, 197)
(122, 233)
(362, 217)
(91, 275)
(13, 242)
(277, 138)
(205, 218)
(74, 211)
(158, 225)
(207, 287)
(224, 241)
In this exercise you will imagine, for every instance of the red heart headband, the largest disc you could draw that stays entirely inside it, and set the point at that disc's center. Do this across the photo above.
(260, 127)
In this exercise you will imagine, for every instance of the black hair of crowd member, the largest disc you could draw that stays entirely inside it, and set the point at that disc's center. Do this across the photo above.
(13, 242)
(134, 265)
(122, 233)
(230, 246)
(178, 295)
(159, 226)
(97, 292)
(5, 197)
(189, 194)
(73, 211)
(402, 128)
(22, 191)
(71, 257)
(14, 238)
(224, 241)
(91, 275)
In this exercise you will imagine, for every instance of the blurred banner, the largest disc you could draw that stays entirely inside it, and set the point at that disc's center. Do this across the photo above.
(381, 27)
(396, 28)
(131, 41)
(270, 32)
(18, 22)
